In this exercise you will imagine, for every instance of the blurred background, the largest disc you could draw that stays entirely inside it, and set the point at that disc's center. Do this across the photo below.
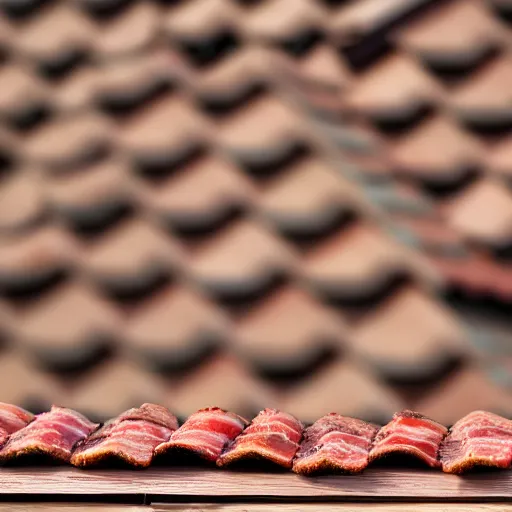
(303, 204)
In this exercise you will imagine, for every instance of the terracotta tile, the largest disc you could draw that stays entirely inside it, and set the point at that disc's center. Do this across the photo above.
(176, 327)
(438, 149)
(309, 196)
(499, 157)
(357, 262)
(69, 326)
(466, 391)
(129, 32)
(288, 331)
(20, 89)
(201, 18)
(277, 19)
(150, 133)
(346, 388)
(476, 276)
(237, 391)
(410, 335)
(77, 90)
(21, 200)
(93, 193)
(460, 32)
(57, 31)
(243, 258)
(206, 191)
(131, 255)
(395, 87)
(324, 66)
(113, 387)
(235, 74)
(32, 385)
(486, 97)
(131, 81)
(483, 212)
(248, 131)
(28, 261)
(359, 19)
(8, 318)
(67, 141)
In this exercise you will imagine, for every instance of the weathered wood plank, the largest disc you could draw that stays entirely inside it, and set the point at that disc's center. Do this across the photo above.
(70, 507)
(335, 507)
(374, 484)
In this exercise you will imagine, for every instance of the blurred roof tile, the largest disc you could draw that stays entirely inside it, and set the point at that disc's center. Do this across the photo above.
(175, 327)
(202, 193)
(344, 387)
(309, 195)
(396, 86)
(462, 32)
(20, 88)
(242, 259)
(30, 260)
(289, 330)
(411, 334)
(465, 391)
(487, 96)
(277, 19)
(500, 157)
(67, 141)
(129, 32)
(248, 131)
(21, 200)
(91, 192)
(483, 212)
(57, 31)
(69, 326)
(150, 133)
(200, 18)
(238, 390)
(357, 262)
(131, 253)
(438, 149)
(32, 385)
(77, 90)
(113, 387)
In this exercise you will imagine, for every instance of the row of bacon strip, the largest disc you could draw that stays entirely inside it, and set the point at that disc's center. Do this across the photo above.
(333, 443)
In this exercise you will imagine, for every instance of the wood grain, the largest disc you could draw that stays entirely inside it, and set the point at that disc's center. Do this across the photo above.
(164, 484)
(348, 507)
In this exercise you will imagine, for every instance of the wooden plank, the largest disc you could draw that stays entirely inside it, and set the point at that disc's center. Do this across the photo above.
(183, 483)
(70, 507)
(334, 507)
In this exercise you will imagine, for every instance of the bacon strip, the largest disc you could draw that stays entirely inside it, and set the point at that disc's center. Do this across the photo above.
(335, 443)
(272, 435)
(410, 433)
(52, 434)
(12, 419)
(479, 439)
(204, 434)
(131, 437)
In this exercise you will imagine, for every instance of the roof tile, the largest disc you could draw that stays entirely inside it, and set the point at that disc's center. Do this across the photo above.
(129, 32)
(395, 87)
(462, 32)
(175, 327)
(500, 157)
(68, 327)
(439, 149)
(289, 330)
(241, 259)
(21, 200)
(344, 387)
(410, 335)
(483, 212)
(238, 390)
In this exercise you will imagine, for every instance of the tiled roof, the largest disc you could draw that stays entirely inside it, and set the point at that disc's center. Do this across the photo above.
(255, 203)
